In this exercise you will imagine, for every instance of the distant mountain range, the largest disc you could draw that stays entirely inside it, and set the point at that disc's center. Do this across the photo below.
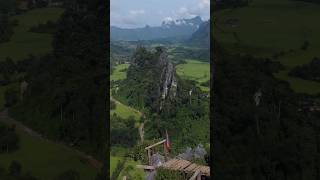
(202, 35)
(180, 28)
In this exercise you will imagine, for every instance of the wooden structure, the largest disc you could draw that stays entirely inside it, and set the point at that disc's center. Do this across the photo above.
(149, 149)
(186, 166)
(196, 176)
(177, 165)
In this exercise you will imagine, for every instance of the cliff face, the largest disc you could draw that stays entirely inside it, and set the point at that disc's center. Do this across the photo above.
(168, 81)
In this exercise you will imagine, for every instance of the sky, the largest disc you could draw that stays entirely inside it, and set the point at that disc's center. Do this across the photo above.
(139, 13)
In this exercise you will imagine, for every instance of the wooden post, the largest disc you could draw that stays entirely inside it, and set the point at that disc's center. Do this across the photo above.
(196, 176)
(152, 146)
(199, 176)
(149, 157)
(165, 153)
(145, 167)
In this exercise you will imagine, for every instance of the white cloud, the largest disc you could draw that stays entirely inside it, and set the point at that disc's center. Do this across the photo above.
(201, 8)
(203, 4)
(128, 19)
(118, 20)
(183, 10)
(136, 12)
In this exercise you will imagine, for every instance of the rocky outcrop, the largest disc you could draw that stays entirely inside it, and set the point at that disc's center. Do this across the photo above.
(151, 79)
(168, 81)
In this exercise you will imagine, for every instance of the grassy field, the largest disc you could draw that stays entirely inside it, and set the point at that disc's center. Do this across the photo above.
(195, 70)
(266, 27)
(119, 72)
(46, 160)
(125, 111)
(130, 164)
(122, 110)
(23, 43)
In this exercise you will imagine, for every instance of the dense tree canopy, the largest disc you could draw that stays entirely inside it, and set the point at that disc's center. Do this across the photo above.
(123, 131)
(6, 28)
(259, 131)
(308, 71)
(9, 140)
(15, 172)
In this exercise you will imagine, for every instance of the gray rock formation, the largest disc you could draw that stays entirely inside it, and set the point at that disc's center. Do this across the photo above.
(157, 160)
(157, 71)
(23, 89)
(168, 81)
(198, 153)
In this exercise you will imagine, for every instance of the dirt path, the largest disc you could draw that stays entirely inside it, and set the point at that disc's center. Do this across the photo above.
(141, 125)
(5, 118)
(141, 131)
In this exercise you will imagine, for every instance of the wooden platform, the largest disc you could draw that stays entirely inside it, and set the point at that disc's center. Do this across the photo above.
(186, 166)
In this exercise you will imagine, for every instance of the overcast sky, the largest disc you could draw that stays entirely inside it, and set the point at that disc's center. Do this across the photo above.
(138, 13)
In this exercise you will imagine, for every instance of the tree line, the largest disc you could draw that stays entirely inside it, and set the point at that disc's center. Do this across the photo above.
(308, 71)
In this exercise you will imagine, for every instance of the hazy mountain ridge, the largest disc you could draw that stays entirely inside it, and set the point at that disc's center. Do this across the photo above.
(202, 35)
(169, 28)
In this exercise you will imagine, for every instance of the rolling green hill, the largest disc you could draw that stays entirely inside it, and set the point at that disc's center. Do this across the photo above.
(195, 70)
(119, 72)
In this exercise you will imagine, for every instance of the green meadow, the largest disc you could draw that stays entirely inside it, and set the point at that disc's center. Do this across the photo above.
(130, 165)
(266, 27)
(46, 160)
(195, 70)
(23, 43)
(119, 72)
(125, 111)
(122, 110)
